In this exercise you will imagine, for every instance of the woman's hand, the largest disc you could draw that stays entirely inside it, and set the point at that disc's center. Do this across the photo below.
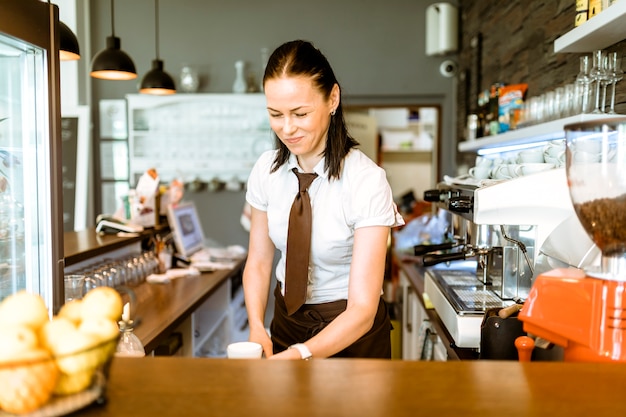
(288, 354)
(264, 339)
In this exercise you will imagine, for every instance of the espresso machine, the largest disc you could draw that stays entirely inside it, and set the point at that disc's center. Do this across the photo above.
(583, 310)
(503, 236)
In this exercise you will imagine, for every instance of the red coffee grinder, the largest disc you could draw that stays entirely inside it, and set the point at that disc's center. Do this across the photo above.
(585, 311)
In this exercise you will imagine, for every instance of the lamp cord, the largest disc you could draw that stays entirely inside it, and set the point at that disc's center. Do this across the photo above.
(156, 26)
(112, 19)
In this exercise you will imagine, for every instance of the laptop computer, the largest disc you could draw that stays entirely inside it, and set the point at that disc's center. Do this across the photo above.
(191, 246)
(186, 229)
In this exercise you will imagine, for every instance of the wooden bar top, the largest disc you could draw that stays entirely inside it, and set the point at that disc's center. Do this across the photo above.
(161, 308)
(170, 386)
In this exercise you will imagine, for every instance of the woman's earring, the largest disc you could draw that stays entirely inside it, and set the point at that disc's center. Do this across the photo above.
(332, 113)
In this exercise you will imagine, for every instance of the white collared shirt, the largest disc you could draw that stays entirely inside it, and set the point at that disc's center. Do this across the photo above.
(361, 197)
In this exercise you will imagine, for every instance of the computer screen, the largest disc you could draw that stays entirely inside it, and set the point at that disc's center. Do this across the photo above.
(186, 228)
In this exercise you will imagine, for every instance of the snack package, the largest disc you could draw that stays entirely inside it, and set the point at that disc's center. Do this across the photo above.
(144, 205)
(510, 102)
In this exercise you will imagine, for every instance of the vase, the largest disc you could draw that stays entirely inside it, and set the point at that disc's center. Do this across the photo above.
(240, 85)
(189, 81)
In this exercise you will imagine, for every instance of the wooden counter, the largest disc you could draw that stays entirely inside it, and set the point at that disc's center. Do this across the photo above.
(166, 386)
(161, 308)
(86, 244)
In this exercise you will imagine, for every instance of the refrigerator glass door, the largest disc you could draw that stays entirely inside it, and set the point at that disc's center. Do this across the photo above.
(25, 221)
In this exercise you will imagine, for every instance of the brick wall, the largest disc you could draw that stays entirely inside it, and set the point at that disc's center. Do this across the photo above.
(518, 47)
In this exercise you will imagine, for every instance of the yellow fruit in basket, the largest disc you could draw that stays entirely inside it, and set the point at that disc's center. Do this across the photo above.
(73, 383)
(16, 342)
(73, 352)
(24, 308)
(55, 330)
(101, 328)
(28, 385)
(72, 310)
(102, 302)
(80, 368)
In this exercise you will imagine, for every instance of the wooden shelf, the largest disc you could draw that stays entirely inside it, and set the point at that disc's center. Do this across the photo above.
(599, 32)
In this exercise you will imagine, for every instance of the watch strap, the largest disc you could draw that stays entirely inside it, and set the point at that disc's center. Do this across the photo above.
(305, 353)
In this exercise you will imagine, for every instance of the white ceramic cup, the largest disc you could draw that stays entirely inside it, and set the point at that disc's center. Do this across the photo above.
(554, 148)
(501, 172)
(557, 161)
(530, 156)
(532, 168)
(482, 161)
(244, 350)
(480, 172)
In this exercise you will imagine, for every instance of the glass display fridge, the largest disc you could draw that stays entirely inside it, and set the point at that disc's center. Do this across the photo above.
(31, 228)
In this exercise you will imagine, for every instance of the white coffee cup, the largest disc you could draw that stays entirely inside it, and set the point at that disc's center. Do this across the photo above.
(482, 161)
(501, 172)
(554, 148)
(244, 350)
(480, 172)
(530, 156)
(558, 160)
(532, 168)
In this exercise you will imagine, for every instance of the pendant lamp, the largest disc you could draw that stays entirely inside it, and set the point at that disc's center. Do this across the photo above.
(112, 63)
(68, 45)
(69, 49)
(156, 81)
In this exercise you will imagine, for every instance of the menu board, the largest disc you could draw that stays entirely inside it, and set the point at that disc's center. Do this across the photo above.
(75, 170)
(69, 145)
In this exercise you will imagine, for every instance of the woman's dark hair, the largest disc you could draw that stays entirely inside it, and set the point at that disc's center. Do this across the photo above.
(301, 58)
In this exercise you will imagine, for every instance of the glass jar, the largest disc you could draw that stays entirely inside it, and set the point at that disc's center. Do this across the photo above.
(189, 81)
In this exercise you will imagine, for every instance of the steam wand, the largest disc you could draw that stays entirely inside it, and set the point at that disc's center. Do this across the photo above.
(522, 247)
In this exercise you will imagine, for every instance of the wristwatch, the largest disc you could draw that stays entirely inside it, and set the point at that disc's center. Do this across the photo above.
(304, 351)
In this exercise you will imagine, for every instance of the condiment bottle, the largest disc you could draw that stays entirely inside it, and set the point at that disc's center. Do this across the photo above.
(129, 344)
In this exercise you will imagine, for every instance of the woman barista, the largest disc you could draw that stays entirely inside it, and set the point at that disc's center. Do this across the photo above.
(340, 311)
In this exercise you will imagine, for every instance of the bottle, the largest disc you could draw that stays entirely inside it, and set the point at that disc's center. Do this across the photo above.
(189, 81)
(239, 86)
(129, 344)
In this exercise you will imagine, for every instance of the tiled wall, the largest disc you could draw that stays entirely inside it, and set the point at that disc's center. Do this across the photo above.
(518, 47)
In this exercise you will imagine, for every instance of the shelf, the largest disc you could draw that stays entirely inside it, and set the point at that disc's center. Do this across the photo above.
(599, 32)
(211, 332)
(529, 135)
(405, 150)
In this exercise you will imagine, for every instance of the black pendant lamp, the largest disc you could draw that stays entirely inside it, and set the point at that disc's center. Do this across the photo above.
(69, 49)
(156, 81)
(68, 45)
(112, 63)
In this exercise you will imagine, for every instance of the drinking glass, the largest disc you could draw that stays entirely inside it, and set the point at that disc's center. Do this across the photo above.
(616, 73)
(74, 286)
(583, 83)
(600, 76)
(549, 106)
(569, 101)
(559, 103)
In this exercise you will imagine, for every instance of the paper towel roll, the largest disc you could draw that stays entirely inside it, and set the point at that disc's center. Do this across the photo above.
(441, 29)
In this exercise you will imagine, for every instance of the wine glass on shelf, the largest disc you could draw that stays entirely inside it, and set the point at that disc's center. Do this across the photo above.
(615, 74)
(599, 75)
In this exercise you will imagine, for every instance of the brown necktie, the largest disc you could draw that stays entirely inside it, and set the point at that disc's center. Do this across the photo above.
(298, 245)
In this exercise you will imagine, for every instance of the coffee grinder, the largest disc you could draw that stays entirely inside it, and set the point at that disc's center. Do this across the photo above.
(584, 311)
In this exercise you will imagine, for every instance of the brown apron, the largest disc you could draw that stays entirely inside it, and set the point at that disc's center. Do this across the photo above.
(310, 319)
